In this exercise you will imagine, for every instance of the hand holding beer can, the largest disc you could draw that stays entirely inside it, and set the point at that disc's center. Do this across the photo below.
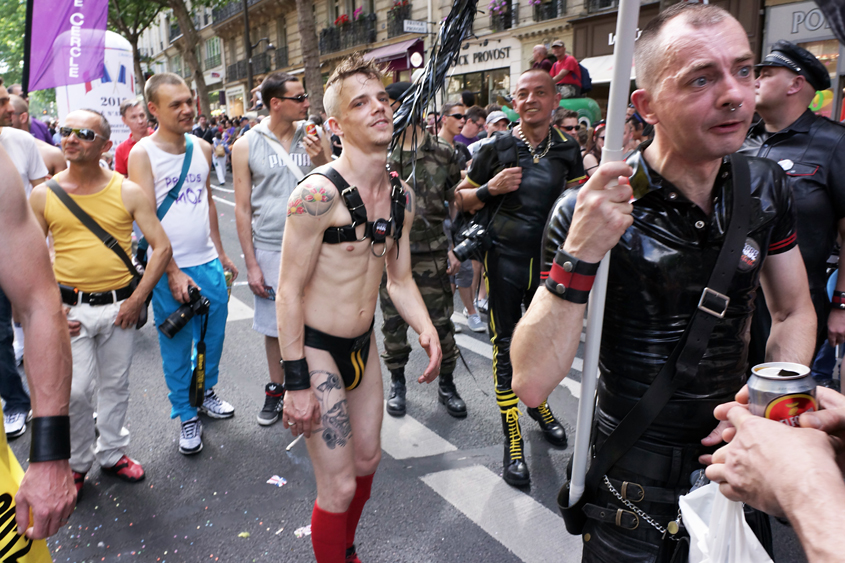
(781, 391)
(229, 277)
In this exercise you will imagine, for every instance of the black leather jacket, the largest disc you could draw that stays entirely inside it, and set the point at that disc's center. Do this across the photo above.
(517, 228)
(812, 152)
(657, 273)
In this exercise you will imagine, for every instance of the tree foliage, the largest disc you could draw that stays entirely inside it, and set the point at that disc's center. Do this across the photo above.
(12, 26)
(130, 18)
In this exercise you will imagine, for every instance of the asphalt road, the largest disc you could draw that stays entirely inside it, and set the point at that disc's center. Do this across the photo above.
(437, 495)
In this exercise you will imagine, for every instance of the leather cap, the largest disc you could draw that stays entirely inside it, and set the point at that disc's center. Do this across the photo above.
(396, 89)
(800, 61)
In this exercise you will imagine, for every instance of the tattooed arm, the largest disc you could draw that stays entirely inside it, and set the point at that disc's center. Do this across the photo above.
(308, 217)
(406, 296)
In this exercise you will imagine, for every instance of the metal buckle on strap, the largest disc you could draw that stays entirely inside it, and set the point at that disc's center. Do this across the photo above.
(620, 513)
(625, 490)
(714, 303)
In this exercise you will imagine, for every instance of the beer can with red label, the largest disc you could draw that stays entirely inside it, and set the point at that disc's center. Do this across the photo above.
(310, 128)
(781, 391)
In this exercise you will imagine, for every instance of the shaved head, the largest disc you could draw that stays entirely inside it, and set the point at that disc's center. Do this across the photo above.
(534, 72)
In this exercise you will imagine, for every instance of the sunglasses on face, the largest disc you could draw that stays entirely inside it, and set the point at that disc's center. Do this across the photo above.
(81, 134)
(298, 99)
(601, 139)
(571, 127)
(457, 115)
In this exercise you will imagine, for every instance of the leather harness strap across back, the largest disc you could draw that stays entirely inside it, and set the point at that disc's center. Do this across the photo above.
(377, 230)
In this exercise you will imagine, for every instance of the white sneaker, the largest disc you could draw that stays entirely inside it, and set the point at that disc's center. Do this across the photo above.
(476, 324)
(215, 407)
(190, 440)
(15, 423)
(481, 305)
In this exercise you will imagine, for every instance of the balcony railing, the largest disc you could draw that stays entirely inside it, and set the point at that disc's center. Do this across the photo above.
(396, 17)
(262, 63)
(601, 5)
(281, 57)
(236, 71)
(500, 22)
(346, 36)
(212, 61)
(219, 15)
(546, 11)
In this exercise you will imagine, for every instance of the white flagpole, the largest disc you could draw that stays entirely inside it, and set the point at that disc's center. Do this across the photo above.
(623, 56)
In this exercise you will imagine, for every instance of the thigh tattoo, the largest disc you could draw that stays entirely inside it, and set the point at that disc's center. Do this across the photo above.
(336, 430)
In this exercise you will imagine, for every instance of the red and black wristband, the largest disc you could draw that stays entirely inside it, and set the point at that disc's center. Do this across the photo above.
(570, 278)
(838, 300)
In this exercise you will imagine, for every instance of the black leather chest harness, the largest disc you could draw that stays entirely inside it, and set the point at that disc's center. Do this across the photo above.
(377, 230)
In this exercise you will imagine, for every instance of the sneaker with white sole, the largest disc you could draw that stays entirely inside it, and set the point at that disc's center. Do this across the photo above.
(475, 323)
(273, 404)
(15, 423)
(190, 439)
(215, 407)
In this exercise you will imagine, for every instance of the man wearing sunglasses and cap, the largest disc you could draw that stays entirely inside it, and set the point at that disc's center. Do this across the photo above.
(810, 149)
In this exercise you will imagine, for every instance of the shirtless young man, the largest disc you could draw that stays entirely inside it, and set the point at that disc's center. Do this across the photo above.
(327, 298)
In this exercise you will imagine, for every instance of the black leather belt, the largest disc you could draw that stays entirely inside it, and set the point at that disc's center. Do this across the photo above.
(635, 492)
(72, 296)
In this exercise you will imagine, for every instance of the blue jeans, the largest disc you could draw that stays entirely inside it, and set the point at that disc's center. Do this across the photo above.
(178, 354)
(11, 386)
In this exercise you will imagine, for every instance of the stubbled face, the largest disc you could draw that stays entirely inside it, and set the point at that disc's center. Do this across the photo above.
(453, 125)
(365, 115)
(771, 87)
(535, 98)
(77, 150)
(175, 108)
(136, 119)
(291, 110)
(7, 110)
(708, 72)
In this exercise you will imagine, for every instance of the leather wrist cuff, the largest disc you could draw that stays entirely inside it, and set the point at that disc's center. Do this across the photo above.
(297, 377)
(838, 300)
(50, 438)
(570, 278)
(483, 193)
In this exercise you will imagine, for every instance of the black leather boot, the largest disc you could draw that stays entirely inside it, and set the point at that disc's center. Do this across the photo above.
(553, 430)
(396, 398)
(515, 470)
(448, 396)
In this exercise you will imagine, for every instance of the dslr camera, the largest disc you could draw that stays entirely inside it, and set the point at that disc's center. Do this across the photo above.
(476, 241)
(196, 305)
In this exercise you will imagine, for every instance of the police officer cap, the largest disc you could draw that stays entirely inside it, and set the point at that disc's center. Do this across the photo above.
(800, 61)
(396, 89)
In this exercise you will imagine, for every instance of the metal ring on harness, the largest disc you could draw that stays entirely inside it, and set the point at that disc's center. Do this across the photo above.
(355, 226)
(383, 252)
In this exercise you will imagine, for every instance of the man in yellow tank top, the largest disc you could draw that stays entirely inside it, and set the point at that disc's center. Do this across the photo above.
(102, 298)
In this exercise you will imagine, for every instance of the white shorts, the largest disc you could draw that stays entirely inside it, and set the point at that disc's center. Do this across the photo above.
(264, 318)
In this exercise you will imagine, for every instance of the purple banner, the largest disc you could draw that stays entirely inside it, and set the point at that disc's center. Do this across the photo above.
(67, 43)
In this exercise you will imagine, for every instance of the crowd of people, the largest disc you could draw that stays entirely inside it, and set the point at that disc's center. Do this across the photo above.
(515, 216)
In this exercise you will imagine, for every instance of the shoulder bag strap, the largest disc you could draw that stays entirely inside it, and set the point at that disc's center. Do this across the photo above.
(173, 194)
(91, 224)
(280, 150)
(682, 365)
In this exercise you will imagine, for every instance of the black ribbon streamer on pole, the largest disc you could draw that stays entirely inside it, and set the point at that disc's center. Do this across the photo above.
(834, 12)
(27, 47)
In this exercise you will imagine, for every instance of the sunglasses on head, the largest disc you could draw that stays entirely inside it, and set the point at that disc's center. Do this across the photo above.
(298, 99)
(457, 115)
(571, 127)
(81, 134)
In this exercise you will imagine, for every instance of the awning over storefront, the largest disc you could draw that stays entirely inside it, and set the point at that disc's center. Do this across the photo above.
(392, 52)
(601, 68)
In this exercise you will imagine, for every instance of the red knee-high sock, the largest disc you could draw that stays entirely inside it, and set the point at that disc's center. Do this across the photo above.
(356, 507)
(328, 535)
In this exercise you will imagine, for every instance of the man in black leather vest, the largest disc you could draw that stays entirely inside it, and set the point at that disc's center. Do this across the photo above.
(695, 74)
(519, 195)
(810, 149)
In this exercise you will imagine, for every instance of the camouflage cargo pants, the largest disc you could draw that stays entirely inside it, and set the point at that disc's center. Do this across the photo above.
(429, 270)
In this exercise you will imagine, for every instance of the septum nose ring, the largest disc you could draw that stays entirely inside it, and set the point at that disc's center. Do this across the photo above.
(739, 106)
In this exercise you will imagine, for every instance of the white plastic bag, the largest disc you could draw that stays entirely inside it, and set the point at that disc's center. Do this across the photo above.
(717, 528)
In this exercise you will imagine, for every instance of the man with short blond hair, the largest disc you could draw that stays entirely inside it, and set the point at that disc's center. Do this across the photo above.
(334, 252)
(103, 298)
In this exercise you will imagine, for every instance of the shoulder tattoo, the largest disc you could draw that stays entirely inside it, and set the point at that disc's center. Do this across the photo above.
(311, 200)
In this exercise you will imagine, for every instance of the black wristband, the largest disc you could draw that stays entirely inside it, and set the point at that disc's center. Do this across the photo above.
(50, 438)
(297, 377)
(483, 193)
(570, 278)
(838, 300)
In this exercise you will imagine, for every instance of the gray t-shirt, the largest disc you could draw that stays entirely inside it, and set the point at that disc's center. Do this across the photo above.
(272, 184)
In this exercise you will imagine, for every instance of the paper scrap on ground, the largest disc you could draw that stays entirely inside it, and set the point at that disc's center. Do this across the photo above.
(277, 481)
(300, 532)
(243, 535)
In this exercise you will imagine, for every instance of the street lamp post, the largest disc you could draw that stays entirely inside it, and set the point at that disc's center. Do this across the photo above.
(248, 46)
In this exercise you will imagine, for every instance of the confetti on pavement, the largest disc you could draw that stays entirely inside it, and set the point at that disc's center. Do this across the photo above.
(301, 532)
(277, 481)
(243, 535)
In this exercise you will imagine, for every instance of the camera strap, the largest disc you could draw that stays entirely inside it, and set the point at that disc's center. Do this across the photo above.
(170, 198)
(196, 392)
(99, 232)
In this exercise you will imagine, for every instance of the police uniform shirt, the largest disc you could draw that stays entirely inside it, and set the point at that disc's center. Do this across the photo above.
(658, 271)
(517, 228)
(812, 153)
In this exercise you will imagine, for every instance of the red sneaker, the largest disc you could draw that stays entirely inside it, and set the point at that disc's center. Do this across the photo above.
(126, 469)
(78, 480)
(351, 556)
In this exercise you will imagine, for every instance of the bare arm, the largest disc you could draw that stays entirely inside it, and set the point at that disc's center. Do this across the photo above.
(560, 75)
(793, 335)
(406, 296)
(243, 215)
(547, 337)
(144, 214)
(27, 280)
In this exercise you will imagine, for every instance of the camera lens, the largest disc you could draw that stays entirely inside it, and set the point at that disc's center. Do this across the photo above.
(177, 320)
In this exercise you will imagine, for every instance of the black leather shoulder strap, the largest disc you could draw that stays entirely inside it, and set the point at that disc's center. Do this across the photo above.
(682, 365)
(397, 203)
(352, 200)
